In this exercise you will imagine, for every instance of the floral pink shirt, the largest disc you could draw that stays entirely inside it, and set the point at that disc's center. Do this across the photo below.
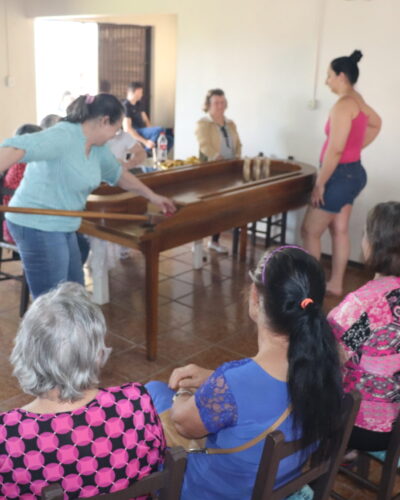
(102, 447)
(367, 324)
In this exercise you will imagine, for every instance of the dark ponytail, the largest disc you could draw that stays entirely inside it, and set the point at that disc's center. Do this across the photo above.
(348, 66)
(291, 275)
(88, 107)
(28, 128)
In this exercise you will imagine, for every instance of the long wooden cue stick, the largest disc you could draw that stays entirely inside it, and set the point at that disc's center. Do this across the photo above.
(74, 213)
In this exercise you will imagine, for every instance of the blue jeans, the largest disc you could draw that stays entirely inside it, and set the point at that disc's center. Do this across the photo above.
(48, 257)
(152, 133)
(84, 246)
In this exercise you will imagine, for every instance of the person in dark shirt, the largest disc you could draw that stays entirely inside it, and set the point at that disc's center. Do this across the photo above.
(136, 121)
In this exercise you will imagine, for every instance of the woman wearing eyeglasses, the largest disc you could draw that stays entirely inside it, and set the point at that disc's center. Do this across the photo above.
(218, 139)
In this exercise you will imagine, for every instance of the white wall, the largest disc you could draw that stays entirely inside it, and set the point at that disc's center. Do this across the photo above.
(17, 103)
(262, 52)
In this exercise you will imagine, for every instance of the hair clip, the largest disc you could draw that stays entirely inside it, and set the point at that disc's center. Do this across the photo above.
(89, 98)
(305, 302)
(270, 255)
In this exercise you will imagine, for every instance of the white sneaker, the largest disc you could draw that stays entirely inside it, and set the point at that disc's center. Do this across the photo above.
(212, 245)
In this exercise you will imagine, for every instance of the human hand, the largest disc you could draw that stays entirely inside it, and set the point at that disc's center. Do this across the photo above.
(167, 206)
(317, 195)
(188, 376)
(150, 144)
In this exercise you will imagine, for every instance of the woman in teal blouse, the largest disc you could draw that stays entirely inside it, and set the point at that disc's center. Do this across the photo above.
(65, 164)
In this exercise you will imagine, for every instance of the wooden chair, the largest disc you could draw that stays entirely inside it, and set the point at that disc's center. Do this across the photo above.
(167, 483)
(390, 467)
(320, 475)
(12, 257)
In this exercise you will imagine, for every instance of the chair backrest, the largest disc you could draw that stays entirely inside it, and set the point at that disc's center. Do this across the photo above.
(392, 462)
(321, 473)
(167, 482)
(3, 192)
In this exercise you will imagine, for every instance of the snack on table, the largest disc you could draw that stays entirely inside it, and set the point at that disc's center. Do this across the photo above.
(165, 165)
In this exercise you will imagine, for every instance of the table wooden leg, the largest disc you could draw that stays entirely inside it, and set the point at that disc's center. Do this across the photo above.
(243, 243)
(151, 256)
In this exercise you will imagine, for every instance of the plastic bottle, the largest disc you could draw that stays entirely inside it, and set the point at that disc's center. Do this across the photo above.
(162, 148)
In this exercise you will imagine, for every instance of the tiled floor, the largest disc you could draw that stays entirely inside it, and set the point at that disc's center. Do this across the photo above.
(202, 319)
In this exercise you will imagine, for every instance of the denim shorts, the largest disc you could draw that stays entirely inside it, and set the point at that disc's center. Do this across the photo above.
(343, 187)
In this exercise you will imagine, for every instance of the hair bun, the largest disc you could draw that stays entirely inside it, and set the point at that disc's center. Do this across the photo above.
(356, 56)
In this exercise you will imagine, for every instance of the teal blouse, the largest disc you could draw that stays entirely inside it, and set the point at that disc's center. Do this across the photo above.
(59, 175)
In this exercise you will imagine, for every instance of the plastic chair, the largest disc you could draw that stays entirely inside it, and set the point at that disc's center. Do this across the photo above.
(14, 256)
(390, 467)
(167, 483)
(319, 474)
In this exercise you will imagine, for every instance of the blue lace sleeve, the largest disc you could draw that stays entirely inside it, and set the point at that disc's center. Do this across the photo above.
(216, 403)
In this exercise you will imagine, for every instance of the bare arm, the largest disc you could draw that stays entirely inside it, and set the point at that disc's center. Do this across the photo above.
(127, 125)
(9, 156)
(340, 126)
(129, 182)
(188, 376)
(146, 119)
(186, 417)
(373, 128)
(184, 412)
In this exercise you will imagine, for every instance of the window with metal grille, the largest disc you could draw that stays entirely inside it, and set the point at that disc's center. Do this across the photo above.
(124, 57)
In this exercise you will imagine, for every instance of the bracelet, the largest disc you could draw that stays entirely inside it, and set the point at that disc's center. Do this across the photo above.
(181, 392)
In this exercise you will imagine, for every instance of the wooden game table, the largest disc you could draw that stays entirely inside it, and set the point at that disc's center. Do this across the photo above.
(211, 197)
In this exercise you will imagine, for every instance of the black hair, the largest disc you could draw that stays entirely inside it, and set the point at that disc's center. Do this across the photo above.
(383, 235)
(104, 86)
(211, 93)
(50, 120)
(135, 85)
(87, 107)
(314, 377)
(28, 128)
(348, 66)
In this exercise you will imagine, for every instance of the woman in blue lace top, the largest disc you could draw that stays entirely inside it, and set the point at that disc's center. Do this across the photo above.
(297, 364)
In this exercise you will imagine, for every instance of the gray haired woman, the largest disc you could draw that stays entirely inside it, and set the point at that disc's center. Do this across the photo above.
(90, 440)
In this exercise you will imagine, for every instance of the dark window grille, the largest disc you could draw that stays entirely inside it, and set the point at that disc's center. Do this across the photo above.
(124, 57)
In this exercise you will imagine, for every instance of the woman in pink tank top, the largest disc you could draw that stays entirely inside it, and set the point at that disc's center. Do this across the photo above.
(352, 125)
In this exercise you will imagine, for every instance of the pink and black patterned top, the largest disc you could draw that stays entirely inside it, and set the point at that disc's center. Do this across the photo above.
(367, 325)
(102, 447)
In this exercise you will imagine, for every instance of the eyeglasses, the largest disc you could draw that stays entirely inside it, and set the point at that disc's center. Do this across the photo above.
(226, 135)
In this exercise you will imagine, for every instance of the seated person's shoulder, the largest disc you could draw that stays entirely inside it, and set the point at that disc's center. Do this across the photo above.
(129, 389)
(205, 120)
(376, 289)
(241, 365)
(204, 124)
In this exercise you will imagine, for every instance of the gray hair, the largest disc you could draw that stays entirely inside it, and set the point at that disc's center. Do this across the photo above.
(60, 344)
(50, 120)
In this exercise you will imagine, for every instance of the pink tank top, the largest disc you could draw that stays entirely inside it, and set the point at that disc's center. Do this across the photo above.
(352, 149)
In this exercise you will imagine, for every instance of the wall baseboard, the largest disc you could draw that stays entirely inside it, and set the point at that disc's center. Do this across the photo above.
(352, 263)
